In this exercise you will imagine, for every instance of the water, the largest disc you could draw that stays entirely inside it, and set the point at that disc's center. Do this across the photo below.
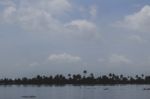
(75, 92)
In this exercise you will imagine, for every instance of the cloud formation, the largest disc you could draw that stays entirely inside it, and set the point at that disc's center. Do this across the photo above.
(82, 28)
(31, 29)
(139, 21)
(44, 17)
(93, 11)
(63, 58)
(119, 59)
(35, 15)
(136, 38)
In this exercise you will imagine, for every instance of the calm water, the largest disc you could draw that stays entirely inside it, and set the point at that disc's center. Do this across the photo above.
(75, 92)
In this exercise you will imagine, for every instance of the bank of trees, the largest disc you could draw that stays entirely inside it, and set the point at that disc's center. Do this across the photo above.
(85, 78)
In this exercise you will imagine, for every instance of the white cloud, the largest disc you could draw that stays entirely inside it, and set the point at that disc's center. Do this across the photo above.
(37, 15)
(82, 28)
(101, 60)
(7, 2)
(119, 59)
(137, 38)
(63, 58)
(82, 25)
(45, 16)
(33, 64)
(8, 13)
(54, 6)
(93, 11)
(139, 21)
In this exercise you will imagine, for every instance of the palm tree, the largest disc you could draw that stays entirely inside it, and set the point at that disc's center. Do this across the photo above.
(85, 72)
(137, 77)
(69, 75)
(142, 75)
(110, 75)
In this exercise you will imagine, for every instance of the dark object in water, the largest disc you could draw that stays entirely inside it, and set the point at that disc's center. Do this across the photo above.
(28, 96)
(105, 88)
(146, 89)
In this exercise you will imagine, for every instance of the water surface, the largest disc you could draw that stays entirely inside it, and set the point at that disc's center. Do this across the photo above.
(75, 92)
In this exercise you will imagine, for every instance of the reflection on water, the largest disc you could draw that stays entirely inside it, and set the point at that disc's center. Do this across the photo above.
(75, 92)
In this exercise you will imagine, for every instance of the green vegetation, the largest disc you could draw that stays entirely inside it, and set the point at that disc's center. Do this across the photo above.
(60, 79)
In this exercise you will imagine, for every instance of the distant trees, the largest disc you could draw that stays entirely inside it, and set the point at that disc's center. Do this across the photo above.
(84, 72)
(78, 79)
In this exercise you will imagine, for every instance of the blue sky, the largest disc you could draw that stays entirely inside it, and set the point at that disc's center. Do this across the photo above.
(68, 36)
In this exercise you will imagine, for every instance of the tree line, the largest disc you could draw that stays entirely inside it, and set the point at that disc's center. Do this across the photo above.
(83, 79)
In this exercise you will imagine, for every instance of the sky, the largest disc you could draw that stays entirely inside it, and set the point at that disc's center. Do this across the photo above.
(69, 36)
